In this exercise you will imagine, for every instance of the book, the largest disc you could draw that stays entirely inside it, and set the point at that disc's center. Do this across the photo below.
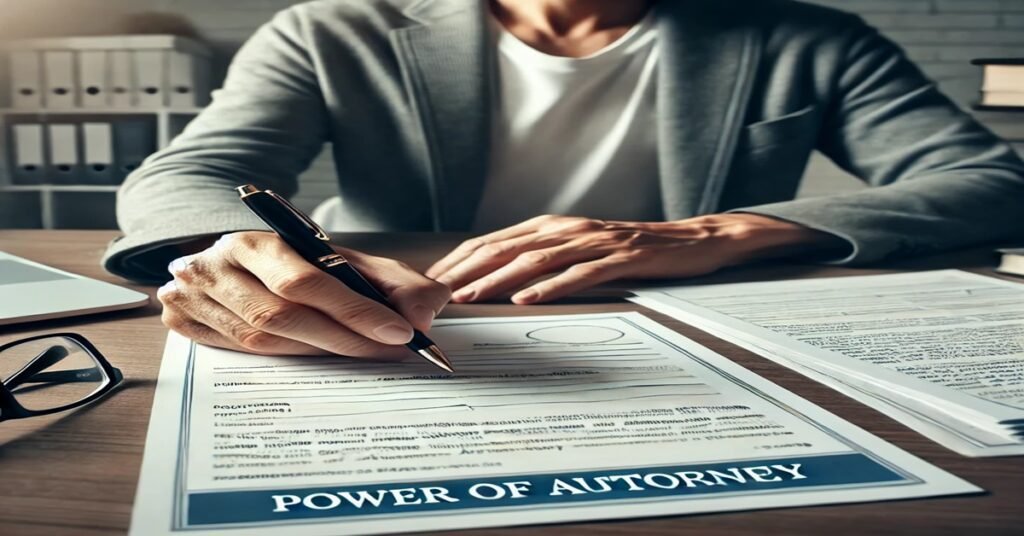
(1002, 98)
(1002, 82)
(1012, 262)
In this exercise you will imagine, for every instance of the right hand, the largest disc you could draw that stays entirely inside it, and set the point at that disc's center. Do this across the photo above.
(251, 292)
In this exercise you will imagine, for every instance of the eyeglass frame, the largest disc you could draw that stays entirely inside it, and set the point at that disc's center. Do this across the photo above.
(11, 409)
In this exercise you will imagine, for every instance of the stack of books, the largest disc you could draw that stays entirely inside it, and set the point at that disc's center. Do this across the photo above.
(1002, 83)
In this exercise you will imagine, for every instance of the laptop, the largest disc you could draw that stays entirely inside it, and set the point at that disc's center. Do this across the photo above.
(31, 291)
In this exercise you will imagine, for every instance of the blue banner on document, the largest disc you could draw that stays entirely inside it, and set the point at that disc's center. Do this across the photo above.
(252, 506)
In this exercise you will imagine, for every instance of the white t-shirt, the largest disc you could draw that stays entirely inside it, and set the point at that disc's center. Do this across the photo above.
(574, 136)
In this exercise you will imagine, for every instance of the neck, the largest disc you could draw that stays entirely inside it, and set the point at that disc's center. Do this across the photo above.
(562, 18)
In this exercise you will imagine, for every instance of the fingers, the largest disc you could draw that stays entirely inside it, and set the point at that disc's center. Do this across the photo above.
(418, 298)
(467, 248)
(578, 277)
(287, 275)
(525, 268)
(208, 322)
(250, 302)
(493, 256)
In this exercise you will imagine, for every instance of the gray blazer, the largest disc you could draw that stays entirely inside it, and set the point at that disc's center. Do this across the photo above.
(746, 91)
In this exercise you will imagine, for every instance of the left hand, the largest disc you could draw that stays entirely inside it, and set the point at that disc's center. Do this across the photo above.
(589, 252)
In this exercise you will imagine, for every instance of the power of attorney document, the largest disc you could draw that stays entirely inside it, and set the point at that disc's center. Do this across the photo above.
(940, 351)
(547, 419)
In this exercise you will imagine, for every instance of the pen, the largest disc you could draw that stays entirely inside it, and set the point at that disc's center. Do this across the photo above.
(311, 242)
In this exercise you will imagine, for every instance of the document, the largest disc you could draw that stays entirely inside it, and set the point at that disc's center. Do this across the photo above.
(941, 351)
(547, 419)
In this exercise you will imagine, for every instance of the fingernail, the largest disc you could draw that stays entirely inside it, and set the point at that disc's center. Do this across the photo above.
(526, 296)
(465, 294)
(166, 289)
(393, 334)
(176, 265)
(423, 314)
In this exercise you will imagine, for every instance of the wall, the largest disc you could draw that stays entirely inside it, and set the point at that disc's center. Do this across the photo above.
(942, 35)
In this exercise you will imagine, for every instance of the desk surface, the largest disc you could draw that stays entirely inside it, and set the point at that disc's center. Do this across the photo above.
(76, 473)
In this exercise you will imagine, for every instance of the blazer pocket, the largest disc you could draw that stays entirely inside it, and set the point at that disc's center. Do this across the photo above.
(793, 127)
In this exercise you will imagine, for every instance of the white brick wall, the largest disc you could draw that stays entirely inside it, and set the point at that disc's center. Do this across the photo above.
(942, 35)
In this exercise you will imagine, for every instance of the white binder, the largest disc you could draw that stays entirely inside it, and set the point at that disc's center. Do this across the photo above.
(59, 75)
(150, 77)
(92, 79)
(122, 85)
(182, 71)
(64, 161)
(29, 158)
(26, 79)
(98, 153)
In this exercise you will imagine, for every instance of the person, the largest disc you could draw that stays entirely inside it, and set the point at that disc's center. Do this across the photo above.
(587, 140)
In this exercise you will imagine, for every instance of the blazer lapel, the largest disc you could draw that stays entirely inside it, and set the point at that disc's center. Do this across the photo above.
(706, 72)
(446, 65)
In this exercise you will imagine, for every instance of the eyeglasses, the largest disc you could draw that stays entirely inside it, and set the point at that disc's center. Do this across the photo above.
(52, 373)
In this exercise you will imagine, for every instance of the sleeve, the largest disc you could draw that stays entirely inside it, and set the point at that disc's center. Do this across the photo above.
(941, 180)
(263, 127)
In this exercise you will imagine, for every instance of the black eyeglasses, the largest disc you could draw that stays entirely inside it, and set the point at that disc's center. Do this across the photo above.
(51, 373)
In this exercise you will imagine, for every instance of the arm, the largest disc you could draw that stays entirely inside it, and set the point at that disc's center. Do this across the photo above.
(264, 127)
(943, 180)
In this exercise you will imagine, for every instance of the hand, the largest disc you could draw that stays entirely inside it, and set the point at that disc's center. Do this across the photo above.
(251, 292)
(588, 252)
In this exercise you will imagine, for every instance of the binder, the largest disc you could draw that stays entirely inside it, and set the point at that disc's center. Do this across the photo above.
(64, 162)
(26, 79)
(98, 153)
(181, 71)
(29, 156)
(134, 140)
(59, 74)
(122, 87)
(92, 78)
(149, 77)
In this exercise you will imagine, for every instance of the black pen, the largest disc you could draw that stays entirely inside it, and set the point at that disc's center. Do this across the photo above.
(311, 242)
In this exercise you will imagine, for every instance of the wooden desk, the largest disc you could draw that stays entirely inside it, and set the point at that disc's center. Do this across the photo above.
(76, 473)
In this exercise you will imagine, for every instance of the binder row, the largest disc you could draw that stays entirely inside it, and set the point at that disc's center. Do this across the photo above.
(109, 72)
(93, 153)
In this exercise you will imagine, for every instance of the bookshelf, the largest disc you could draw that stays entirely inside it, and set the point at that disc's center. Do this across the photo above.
(54, 206)
(79, 113)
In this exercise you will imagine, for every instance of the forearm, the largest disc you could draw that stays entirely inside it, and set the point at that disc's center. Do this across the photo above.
(746, 237)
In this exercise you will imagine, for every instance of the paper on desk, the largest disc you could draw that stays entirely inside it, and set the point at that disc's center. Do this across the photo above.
(547, 419)
(945, 347)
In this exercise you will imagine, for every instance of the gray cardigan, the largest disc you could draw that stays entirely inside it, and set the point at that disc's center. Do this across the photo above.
(746, 91)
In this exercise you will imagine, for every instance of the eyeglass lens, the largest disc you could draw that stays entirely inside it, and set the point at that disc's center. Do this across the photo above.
(50, 373)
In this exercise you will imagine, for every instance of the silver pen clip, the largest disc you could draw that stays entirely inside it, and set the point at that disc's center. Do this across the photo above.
(317, 230)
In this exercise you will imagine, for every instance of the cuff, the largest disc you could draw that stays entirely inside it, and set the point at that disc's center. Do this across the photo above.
(143, 256)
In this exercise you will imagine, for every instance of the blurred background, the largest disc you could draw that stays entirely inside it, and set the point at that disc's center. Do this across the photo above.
(76, 115)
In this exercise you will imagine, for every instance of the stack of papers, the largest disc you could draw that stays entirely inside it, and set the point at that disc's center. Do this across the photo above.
(942, 351)
(547, 419)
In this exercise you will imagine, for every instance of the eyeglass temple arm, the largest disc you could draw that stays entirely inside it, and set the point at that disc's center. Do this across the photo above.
(46, 359)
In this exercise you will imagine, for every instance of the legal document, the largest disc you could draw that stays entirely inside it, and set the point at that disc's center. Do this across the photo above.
(547, 419)
(940, 351)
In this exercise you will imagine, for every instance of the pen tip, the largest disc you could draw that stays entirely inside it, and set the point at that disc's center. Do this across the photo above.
(434, 354)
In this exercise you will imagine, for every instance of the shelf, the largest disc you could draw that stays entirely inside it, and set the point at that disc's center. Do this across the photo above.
(58, 187)
(1004, 109)
(100, 111)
